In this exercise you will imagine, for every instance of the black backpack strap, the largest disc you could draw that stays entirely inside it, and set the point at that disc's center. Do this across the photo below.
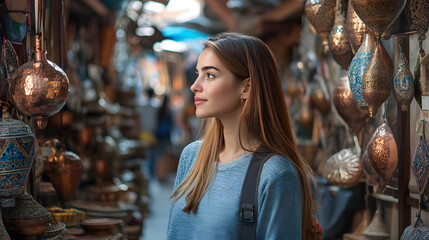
(249, 197)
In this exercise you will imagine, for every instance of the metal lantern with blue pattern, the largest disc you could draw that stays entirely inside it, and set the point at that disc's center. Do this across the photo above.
(17, 144)
(358, 66)
(403, 83)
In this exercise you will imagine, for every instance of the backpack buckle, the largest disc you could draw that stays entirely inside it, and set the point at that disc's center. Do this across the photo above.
(247, 214)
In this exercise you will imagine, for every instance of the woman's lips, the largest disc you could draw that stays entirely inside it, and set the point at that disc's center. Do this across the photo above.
(199, 101)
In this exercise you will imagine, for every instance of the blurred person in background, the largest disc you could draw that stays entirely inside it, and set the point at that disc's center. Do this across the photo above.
(148, 117)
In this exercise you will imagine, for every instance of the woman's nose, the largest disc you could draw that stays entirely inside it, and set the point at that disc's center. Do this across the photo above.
(196, 87)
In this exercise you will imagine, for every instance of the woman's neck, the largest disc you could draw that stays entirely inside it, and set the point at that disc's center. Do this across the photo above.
(232, 148)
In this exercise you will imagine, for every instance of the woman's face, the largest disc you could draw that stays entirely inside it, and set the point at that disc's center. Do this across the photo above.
(217, 92)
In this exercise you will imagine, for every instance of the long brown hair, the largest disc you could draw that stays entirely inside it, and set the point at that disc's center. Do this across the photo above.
(265, 117)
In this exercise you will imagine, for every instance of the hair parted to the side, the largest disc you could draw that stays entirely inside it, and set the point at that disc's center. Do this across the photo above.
(265, 117)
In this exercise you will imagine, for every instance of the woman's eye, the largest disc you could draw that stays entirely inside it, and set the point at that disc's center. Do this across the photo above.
(209, 75)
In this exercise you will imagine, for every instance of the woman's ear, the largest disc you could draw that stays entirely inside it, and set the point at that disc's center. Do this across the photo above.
(245, 88)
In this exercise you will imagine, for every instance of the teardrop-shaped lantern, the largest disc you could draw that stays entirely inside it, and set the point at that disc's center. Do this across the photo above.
(378, 14)
(383, 152)
(338, 40)
(320, 101)
(321, 15)
(403, 84)
(39, 88)
(377, 80)
(417, 14)
(372, 177)
(356, 28)
(417, 78)
(358, 66)
(347, 106)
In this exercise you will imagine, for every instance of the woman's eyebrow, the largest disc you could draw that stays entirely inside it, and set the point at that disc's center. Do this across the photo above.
(205, 68)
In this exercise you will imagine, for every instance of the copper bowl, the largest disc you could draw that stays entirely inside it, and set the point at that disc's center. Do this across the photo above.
(101, 226)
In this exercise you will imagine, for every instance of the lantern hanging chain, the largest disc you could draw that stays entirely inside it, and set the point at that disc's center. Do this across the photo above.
(385, 112)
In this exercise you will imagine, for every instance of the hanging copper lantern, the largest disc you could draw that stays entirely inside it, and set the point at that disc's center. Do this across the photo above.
(320, 101)
(403, 83)
(377, 80)
(417, 14)
(338, 40)
(347, 106)
(305, 118)
(358, 66)
(356, 28)
(372, 178)
(383, 153)
(420, 164)
(321, 15)
(39, 88)
(378, 14)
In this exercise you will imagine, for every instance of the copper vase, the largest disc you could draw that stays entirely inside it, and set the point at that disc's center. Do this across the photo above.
(65, 169)
(358, 66)
(378, 14)
(338, 40)
(321, 15)
(27, 218)
(403, 83)
(383, 153)
(356, 28)
(377, 80)
(347, 106)
(417, 78)
(343, 168)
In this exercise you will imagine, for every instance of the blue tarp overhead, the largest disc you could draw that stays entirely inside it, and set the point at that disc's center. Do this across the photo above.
(182, 34)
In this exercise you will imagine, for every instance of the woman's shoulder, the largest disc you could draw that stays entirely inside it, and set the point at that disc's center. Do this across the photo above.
(191, 149)
(277, 166)
(189, 155)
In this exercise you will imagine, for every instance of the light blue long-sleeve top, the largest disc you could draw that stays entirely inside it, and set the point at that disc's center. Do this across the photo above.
(217, 216)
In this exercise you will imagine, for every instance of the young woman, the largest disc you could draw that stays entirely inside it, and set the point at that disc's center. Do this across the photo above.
(239, 93)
